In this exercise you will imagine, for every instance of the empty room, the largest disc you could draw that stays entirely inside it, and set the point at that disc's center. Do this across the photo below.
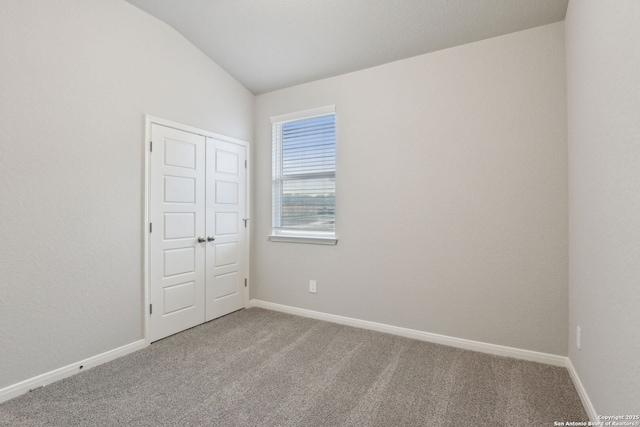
(320, 212)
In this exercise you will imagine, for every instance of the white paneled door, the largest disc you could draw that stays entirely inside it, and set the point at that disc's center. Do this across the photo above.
(197, 238)
(225, 223)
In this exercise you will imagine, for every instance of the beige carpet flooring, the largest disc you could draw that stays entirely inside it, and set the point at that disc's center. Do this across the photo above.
(257, 367)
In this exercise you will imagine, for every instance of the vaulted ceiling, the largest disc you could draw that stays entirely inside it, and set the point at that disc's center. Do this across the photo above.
(272, 44)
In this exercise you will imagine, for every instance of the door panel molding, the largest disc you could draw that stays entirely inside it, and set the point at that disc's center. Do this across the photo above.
(183, 159)
(226, 198)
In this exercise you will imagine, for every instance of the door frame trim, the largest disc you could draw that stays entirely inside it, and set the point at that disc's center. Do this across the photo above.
(152, 120)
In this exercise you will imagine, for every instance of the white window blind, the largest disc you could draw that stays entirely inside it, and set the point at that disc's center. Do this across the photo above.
(304, 171)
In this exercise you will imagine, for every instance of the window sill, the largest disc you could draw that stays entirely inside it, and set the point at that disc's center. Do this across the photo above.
(332, 241)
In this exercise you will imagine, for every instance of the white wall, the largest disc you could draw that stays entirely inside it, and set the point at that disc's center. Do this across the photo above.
(603, 101)
(451, 200)
(76, 78)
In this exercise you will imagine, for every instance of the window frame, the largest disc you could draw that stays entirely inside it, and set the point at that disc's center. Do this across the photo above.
(302, 235)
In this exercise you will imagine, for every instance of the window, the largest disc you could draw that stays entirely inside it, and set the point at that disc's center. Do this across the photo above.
(304, 177)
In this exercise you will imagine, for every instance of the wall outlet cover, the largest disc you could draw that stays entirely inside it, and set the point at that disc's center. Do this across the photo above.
(579, 338)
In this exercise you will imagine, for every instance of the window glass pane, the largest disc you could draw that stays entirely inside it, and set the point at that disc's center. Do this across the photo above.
(304, 164)
(309, 203)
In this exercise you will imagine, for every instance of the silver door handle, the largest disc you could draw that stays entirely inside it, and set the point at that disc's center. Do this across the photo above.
(201, 239)
(210, 238)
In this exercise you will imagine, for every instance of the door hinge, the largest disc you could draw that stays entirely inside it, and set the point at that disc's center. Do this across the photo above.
(245, 164)
(245, 222)
(150, 145)
(245, 283)
(150, 227)
(150, 308)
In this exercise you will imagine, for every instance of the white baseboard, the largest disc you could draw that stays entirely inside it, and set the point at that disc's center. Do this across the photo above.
(47, 378)
(498, 350)
(582, 392)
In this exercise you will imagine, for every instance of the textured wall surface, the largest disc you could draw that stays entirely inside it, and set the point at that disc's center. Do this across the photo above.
(76, 79)
(603, 103)
(451, 195)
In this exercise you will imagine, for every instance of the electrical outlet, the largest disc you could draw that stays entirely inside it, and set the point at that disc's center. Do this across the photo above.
(579, 338)
(312, 286)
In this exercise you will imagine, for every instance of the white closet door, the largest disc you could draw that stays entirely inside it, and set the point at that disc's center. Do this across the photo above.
(226, 204)
(177, 215)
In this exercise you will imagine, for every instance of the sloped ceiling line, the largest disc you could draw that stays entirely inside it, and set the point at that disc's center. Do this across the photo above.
(270, 45)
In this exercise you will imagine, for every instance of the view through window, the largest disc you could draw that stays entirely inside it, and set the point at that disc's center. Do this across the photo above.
(304, 165)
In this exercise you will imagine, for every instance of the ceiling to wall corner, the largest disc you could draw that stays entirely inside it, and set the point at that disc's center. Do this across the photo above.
(272, 44)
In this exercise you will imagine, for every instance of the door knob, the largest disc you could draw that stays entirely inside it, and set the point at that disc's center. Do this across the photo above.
(210, 238)
(201, 239)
